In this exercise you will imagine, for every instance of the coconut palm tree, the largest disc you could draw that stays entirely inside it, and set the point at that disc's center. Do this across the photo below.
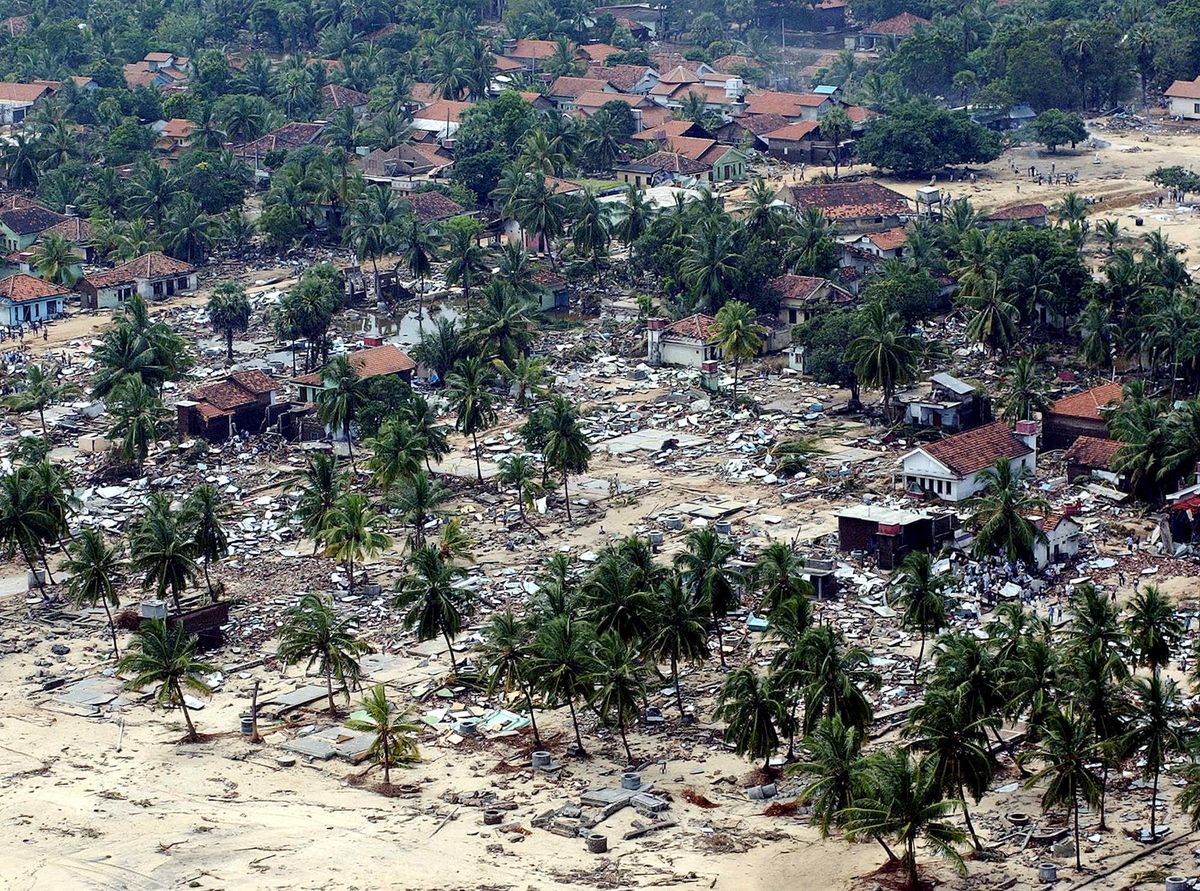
(519, 473)
(751, 710)
(563, 664)
(566, 448)
(229, 313)
(836, 126)
(704, 564)
(1026, 392)
(54, 258)
(25, 525)
(39, 391)
(203, 512)
(468, 261)
(321, 487)
(397, 452)
(833, 765)
(432, 602)
(956, 740)
(540, 211)
(507, 661)
(993, 322)
(902, 800)
(618, 598)
(677, 631)
(340, 399)
(469, 391)
(95, 570)
(1109, 232)
(1067, 753)
(617, 684)
(833, 677)
(737, 335)
(777, 575)
(418, 250)
(1094, 678)
(353, 532)
(164, 551)
(634, 217)
(424, 420)
(1000, 514)
(393, 728)
(314, 634)
(923, 597)
(1156, 729)
(591, 231)
(709, 266)
(1153, 627)
(502, 327)
(418, 501)
(884, 356)
(164, 657)
(137, 414)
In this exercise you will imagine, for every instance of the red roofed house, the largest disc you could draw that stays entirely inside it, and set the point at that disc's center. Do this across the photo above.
(886, 245)
(219, 409)
(1063, 534)
(950, 468)
(686, 342)
(432, 207)
(566, 89)
(335, 97)
(152, 276)
(17, 99)
(369, 363)
(803, 296)
(25, 299)
(1093, 456)
(851, 207)
(1018, 215)
(794, 142)
(1083, 414)
(1184, 99)
(291, 136)
(529, 54)
(441, 119)
(793, 106)
(891, 30)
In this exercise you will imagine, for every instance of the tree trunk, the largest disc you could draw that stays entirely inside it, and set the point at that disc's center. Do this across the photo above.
(575, 724)
(1153, 809)
(112, 627)
(624, 739)
(478, 465)
(736, 369)
(675, 678)
(891, 854)
(720, 637)
(1075, 803)
(450, 650)
(207, 580)
(229, 346)
(192, 735)
(920, 653)
(42, 416)
(254, 735)
(350, 447)
(967, 817)
(566, 497)
(49, 576)
(387, 759)
(537, 737)
(350, 570)
(40, 583)
(329, 689)
(1103, 795)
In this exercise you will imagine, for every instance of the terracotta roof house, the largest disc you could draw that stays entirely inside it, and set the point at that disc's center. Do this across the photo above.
(369, 363)
(17, 99)
(220, 409)
(803, 296)
(441, 119)
(659, 168)
(1092, 456)
(626, 78)
(565, 90)
(950, 469)
(886, 244)
(406, 160)
(793, 106)
(596, 52)
(1082, 414)
(21, 226)
(746, 130)
(852, 207)
(687, 341)
(890, 30)
(1063, 534)
(289, 137)
(165, 71)
(1017, 215)
(152, 276)
(14, 25)
(1183, 99)
(335, 97)
(529, 54)
(424, 94)
(25, 299)
(646, 15)
(431, 207)
(794, 142)
(645, 112)
(553, 293)
(672, 129)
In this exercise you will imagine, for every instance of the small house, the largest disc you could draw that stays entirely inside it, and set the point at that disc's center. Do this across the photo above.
(16, 100)
(531, 55)
(1063, 534)
(566, 89)
(1091, 456)
(552, 291)
(945, 403)
(25, 299)
(1183, 99)
(370, 363)
(687, 342)
(1034, 214)
(219, 410)
(1081, 414)
(886, 245)
(889, 31)
(335, 97)
(152, 276)
(890, 533)
(21, 226)
(793, 106)
(853, 208)
(441, 119)
(951, 469)
(803, 296)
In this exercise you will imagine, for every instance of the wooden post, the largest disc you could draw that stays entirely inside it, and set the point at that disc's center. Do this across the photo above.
(254, 737)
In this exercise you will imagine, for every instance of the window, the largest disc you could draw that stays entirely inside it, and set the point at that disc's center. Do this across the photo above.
(1196, 108)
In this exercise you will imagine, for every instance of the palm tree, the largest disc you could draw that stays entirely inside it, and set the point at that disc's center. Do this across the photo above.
(54, 258)
(994, 322)
(163, 656)
(737, 335)
(342, 395)
(833, 764)
(164, 551)
(396, 452)
(352, 532)
(469, 392)
(835, 127)
(95, 571)
(902, 800)
(777, 574)
(833, 677)
(1153, 627)
(321, 488)
(1110, 233)
(957, 742)
(418, 250)
(1026, 393)
(677, 630)
(750, 709)
(393, 728)
(591, 231)
(922, 593)
(313, 633)
(566, 448)
(419, 500)
(507, 659)
(704, 564)
(434, 604)
(617, 684)
(1093, 679)
(203, 514)
(540, 211)
(25, 525)
(634, 218)
(229, 313)
(709, 266)
(618, 598)
(40, 391)
(520, 474)
(1156, 729)
(525, 374)
(563, 664)
(1067, 751)
(136, 413)
(469, 262)
(883, 355)
(1001, 514)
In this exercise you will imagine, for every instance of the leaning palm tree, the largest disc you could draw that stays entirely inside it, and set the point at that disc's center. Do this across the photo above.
(313, 633)
(163, 656)
(321, 487)
(137, 414)
(432, 602)
(1000, 514)
(1153, 627)
(340, 399)
(352, 532)
(566, 447)
(704, 564)
(777, 575)
(469, 390)
(563, 664)
(25, 525)
(677, 630)
(617, 684)
(751, 712)
(507, 661)
(38, 392)
(1156, 730)
(902, 800)
(393, 729)
(993, 322)
(1068, 752)
(468, 261)
(833, 678)
(95, 570)
(832, 763)
(1094, 678)
(397, 452)
(884, 356)
(737, 335)
(203, 512)
(922, 595)
(164, 551)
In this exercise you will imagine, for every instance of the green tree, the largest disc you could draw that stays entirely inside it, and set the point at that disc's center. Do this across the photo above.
(705, 566)
(320, 488)
(25, 526)
(778, 576)
(566, 448)
(164, 551)
(396, 452)
(923, 597)
(563, 663)
(617, 684)
(39, 391)
(1054, 127)
(833, 765)
(229, 313)
(737, 335)
(751, 711)
(469, 391)
(1153, 627)
(1026, 392)
(162, 656)
(1156, 729)
(342, 395)
(677, 630)
(314, 634)
(883, 355)
(393, 728)
(468, 261)
(1001, 511)
(507, 660)
(419, 500)
(353, 533)
(833, 677)
(204, 514)
(55, 259)
(836, 127)
(433, 604)
(519, 474)
(95, 570)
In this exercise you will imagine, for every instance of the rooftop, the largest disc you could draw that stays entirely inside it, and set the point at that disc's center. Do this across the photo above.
(147, 266)
(976, 449)
(1020, 212)
(1093, 452)
(847, 201)
(431, 206)
(337, 96)
(1184, 89)
(14, 92)
(694, 327)
(786, 104)
(234, 390)
(1089, 403)
(898, 26)
(369, 363)
(21, 288)
(30, 219)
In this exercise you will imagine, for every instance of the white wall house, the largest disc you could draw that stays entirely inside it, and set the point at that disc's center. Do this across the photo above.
(687, 342)
(1063, 535)
(1183, 98)
(950, 469)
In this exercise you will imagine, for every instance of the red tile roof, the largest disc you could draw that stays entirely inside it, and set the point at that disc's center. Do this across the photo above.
(898, 26)
(337, 97)
(295, 135)
(576, 86)
(75, 229)
(666, 130)
(598, 99)
(976, 449)
(532, 49)
(178, 128)
(857, 114)
(1088, 403)
(233, 391)
(431, 206)
(369, 363)
(847, 201)
(623, 77)
(597, 52)
(694, 327)
(787, 104)
(889, 239)
(1184, 89)
(31, 218)
(1020, 212)
(672, 162)
(794, 132)
(21, 288)
(1092, 452)
(1052, 520)
(13, 92)
(147, 266)
(796, 287)
(759, 124)
(679, 75)
(443, 110)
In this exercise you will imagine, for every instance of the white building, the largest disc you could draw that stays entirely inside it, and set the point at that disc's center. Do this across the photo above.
(1183, 98)
(687, 342)
(1063, 535)
(951, 468)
